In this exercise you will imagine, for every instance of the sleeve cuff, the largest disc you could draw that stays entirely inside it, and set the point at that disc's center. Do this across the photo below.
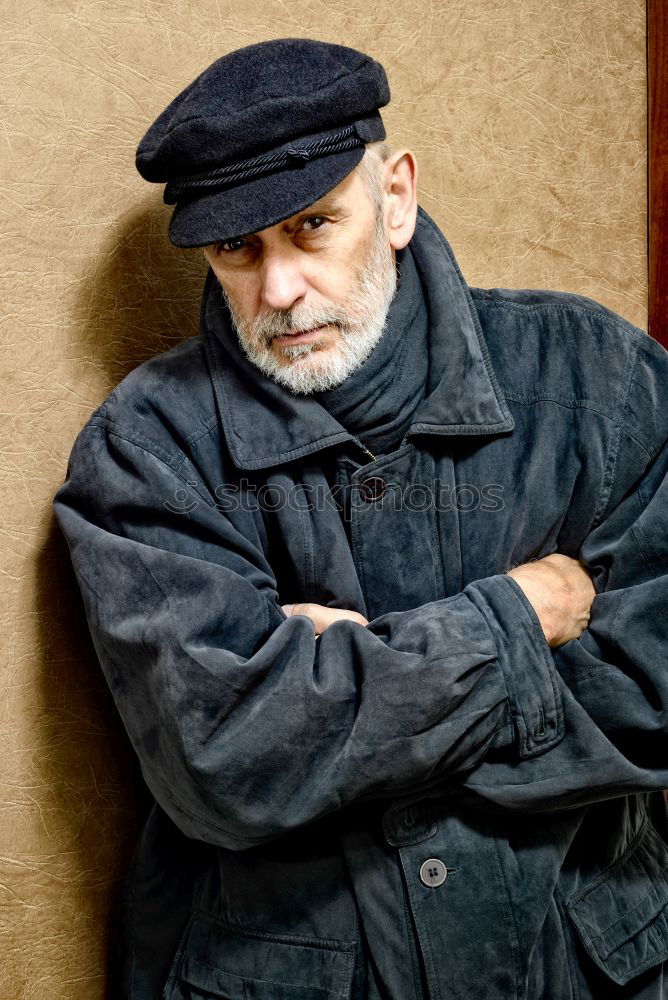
(526, 662)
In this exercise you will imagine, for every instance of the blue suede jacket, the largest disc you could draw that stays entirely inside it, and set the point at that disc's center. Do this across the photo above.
(436, 805)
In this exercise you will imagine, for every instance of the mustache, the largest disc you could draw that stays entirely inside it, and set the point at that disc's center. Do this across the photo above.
(277, 324)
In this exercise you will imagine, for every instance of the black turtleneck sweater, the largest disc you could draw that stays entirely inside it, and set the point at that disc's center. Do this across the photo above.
(376, 402)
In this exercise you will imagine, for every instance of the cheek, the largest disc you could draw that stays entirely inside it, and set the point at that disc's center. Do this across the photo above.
(244, 295)
(351, 262)
(334, 278)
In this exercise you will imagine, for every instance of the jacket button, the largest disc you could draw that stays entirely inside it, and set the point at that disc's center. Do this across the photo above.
(433, 872)
(373, 488)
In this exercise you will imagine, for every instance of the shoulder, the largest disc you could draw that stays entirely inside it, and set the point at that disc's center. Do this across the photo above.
(163, 404)
(565, 321)
(547, 344)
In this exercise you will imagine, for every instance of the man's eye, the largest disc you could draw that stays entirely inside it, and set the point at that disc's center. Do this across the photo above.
(313, 222)
(228, 246)
(238, 243)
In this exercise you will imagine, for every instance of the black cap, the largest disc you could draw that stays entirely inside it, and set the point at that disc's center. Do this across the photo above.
(261, 134)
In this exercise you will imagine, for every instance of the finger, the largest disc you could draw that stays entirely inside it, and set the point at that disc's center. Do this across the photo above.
(323, 617)
(320, 616)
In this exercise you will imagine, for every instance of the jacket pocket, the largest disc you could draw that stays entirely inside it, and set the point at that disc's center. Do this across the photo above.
(621, 916)
(221, 960)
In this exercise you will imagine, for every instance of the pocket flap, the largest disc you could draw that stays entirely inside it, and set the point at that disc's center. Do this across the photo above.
(622, 915)
(237, 963)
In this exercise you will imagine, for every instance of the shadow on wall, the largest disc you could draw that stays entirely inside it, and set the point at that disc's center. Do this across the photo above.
(141, 295)
(138, 297)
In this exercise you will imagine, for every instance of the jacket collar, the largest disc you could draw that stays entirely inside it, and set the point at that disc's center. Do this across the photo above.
(265, 424)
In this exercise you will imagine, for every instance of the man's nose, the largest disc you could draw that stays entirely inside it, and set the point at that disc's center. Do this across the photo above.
(283, 282)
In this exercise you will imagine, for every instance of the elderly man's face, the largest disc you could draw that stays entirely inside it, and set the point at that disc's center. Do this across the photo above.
(309, 296)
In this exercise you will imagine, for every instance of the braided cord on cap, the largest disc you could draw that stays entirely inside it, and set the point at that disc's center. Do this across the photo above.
(258, 166)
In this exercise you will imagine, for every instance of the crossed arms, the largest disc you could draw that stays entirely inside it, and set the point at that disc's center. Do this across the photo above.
(246, 724)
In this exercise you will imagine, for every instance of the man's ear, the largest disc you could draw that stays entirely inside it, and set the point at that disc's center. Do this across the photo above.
(400, 185)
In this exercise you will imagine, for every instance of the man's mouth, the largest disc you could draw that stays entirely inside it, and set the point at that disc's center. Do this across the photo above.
(303, 337)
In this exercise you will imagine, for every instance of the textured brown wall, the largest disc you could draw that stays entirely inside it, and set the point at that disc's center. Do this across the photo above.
(528, 120)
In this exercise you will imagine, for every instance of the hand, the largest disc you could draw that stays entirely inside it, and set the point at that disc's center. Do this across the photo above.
(321, 616)
(561, 593)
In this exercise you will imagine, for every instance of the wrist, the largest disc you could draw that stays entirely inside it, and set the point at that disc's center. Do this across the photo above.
(526, 583)
(549, 627)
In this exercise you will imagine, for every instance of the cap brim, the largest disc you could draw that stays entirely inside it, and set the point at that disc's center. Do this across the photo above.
(259, 203)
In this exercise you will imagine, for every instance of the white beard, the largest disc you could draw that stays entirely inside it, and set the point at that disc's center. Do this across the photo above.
(360, 322)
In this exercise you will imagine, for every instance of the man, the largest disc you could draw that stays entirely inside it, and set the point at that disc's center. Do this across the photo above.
(375, 567)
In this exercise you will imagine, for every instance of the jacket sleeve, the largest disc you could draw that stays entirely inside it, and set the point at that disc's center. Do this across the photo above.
(613, 680)
(245, 724)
